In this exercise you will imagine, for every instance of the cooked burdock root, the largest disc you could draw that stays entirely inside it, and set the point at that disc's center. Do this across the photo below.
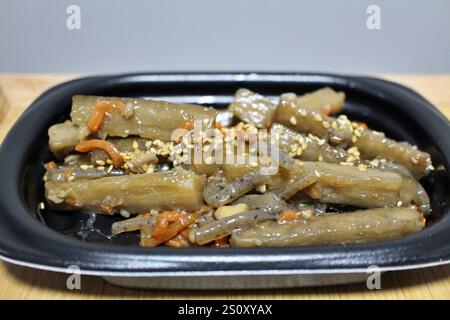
(63, 137)
(337, 131)
(353, 227)
(134, 193)
(145, 118)
(367, 188)
(325, 101)
(340, 131)
(253, 108)
(373, 144)
(68, 173)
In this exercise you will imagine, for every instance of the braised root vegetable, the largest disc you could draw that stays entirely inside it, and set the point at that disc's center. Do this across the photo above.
(307, 147)
(366, 188)
(68, 173)
(373, 144)
(145, 118)
(135, 193)
(325, 101)
(338, 131)
(63, 137)
(253, 108)
(353, 227)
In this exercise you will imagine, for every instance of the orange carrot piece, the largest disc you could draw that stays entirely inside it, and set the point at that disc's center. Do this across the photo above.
(51, 165)
(169, 224)
(100, 109)
(290, 215)
(326, 110)
(361, 125)
(108, 147)
(163, 220)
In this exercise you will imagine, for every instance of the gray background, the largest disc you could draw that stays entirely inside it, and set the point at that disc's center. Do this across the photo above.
(246, 35)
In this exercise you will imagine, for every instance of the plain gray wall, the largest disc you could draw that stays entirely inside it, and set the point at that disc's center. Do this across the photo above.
(246, 35)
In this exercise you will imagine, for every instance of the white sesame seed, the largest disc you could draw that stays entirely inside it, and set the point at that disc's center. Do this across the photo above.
(293, 120)
(100, 162)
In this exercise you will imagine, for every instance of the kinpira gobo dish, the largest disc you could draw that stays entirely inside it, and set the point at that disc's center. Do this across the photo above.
(290, 171)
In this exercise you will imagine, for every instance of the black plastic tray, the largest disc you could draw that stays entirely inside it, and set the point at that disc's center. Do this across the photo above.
(385, 106)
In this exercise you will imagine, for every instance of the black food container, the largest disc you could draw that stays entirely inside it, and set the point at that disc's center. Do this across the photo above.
(47, 239)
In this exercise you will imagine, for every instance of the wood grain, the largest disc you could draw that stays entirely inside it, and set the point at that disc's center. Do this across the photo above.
(18, 91)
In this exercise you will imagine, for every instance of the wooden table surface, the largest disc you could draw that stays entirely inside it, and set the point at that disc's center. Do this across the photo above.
(18, 91)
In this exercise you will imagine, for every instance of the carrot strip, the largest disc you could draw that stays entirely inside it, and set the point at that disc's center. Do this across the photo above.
(326, 110)
(361, 125)
(290, 215)
(108, 147)
(163, 221)
(169, 224)
(51, 165)
(100, 109)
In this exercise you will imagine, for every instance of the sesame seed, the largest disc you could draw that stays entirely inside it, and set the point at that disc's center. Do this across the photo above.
(71, 178)
(318, 117)
(262, 188)
(293, 120)
(303, 113)
(100, 168)
(84, 167)
(100, 162)
(135, 144)
(414, 160)
(326, 125)
(354, 139)
(362, 167)
(320, 158)
(42, 206)
(399, 204)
